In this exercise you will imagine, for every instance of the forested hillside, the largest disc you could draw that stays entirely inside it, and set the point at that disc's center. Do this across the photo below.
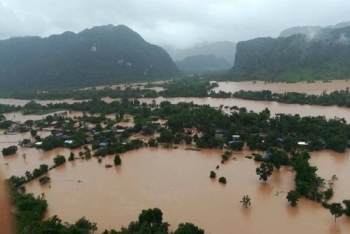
(295, 58)
(97, 56)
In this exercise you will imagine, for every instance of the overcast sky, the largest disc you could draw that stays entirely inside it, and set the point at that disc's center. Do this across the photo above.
(181, 23)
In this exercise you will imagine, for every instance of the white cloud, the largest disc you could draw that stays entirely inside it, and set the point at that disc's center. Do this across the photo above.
(175, 22)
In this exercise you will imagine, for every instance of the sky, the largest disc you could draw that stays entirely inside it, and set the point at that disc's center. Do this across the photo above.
(176, 23)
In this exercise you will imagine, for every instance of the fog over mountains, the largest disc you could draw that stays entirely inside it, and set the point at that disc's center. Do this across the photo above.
(323, 55)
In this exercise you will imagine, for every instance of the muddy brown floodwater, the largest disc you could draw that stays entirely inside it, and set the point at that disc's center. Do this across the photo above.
(177, 182)
(310, 88)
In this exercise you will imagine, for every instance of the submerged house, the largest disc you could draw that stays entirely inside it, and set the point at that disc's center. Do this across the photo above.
(219, 133)
(103, 144)
(236, 137)
(302, 143)
(68, 142)
(59, 134)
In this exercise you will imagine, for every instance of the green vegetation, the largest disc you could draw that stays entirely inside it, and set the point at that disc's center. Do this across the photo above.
(339, 98)
(293, 197)
(59, 160)
(106, 55)
(264, 171)
(336, 210)
(246, 201)
(44, 180)
(117, 161)
(295, 58)
(9, 150)
(222, 180)
(259, 130)
(226, 155)
(7, 109)
(212, 174)
(307, 183)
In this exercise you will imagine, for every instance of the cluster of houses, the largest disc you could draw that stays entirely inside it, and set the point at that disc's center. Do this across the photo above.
(17, 127)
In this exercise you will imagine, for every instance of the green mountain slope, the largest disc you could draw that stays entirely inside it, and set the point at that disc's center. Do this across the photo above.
(97, 56)
(295, 58)
(207, 62)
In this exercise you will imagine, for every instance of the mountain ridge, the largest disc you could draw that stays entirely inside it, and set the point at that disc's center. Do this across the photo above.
(295, 58)
(97, 56)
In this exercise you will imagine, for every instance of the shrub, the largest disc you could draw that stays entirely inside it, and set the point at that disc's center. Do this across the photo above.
(212, 174)
(222, 180)
(117, 160)
(328, 194)
(9, 150)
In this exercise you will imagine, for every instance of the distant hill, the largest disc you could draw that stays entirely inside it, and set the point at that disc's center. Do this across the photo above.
(200, 63)
(221, 49)
(96, 56)
(310, 31)
(295, 58)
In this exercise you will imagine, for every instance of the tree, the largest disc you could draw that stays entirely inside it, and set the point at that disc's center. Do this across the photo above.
(59, 160)
(33, 132)
(278, 157)
(9, 150)
(188, 228)
(212, 174)
(336, 210)
(222, 180)
(347, 207)
(152, 142)
(44, 180)
(154, 217)
(246, 201)
(293, 197)
(117, 160)
(28, 175)
(264, 171)
(71, 157)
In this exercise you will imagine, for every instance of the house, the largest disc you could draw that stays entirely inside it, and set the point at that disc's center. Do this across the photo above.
(68, 142)
(89, 139)
(59, 134)
(302, 143)
(188, 130)
(119, 131)
(267, 155)
(232, 142)
(219, 133)
(236, 137)
(324, 143)
(280, 139)
(53, 123)
(103, 144)
(38, 143)
(90, 128)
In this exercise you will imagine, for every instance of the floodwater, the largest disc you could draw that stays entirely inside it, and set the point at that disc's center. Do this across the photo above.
(177, 181)
(256, 106)
(310, 88)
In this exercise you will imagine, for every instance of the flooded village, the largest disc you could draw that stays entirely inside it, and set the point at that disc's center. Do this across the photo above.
(165, 164)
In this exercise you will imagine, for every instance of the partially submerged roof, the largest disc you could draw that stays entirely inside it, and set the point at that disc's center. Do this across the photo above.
(68, 142)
